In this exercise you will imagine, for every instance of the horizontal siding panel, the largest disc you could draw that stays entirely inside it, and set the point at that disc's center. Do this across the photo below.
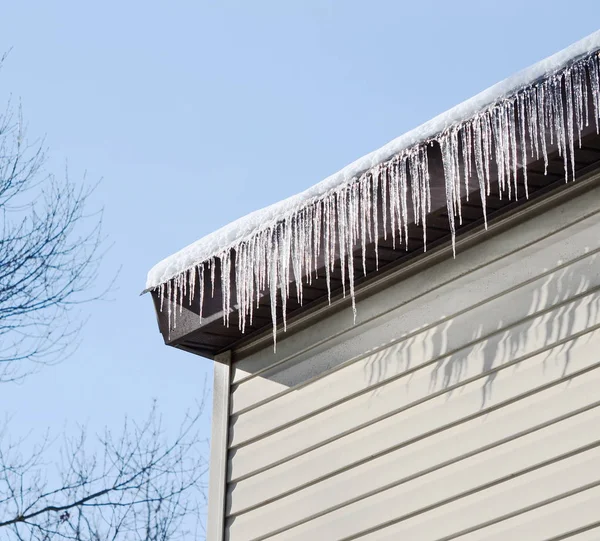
(468, 474)
(588, 534)
(463, 404)
(566, 517)
(419, 349)
(449, 519)
(538, 410)
(558, 226)
(413, 398)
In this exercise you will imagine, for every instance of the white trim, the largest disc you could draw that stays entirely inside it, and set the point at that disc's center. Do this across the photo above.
(217, 490)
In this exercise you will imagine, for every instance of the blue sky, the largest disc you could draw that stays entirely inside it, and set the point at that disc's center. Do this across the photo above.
(195, 113)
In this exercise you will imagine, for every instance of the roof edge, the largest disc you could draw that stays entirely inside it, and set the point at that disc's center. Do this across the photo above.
(241, 230)
(287, 242)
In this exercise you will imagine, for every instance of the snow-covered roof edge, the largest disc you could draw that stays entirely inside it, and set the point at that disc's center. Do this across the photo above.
(488, 138)
(244, 228)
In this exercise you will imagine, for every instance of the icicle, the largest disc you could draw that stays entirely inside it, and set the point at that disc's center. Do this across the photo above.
(375, 201)
(414, 190)
(353, 218)
(578, 101)
(161, 295)
(239, 282)
(363, 191)
(404, 200)
(505, 148)
(561, 124)
(250, 266)
(327, 248)
(480, 164)
(532, 117)
(570, 119)
(174, 303)
(448, 163)
(550, 112)
(283, 268)
(512, 128)
(272, 266)
(260, 267)
(175, 292)
(585, 96)
(311, 249)
(184, 291)
(427, 176)
(298, 252)
(318, 222)
(457, 184)
(391, 181)
(253, 265)
(242, 287)
(246, 286)
(594, 73)
(466, 146)
(307, 239)
(298, 255)
(351, 274)
(384, 202)
(398, 179)
(225, 260)
(487, 147)
(332, 253)
(496, 136)
(179, 295)
(523, 142)
(367, 183)
(342, 206)
(541, 111)
(350, 239)
(192, 278)
(244, 290)
(211, 263)
(200, 289)
(169, 304)
(423, 166)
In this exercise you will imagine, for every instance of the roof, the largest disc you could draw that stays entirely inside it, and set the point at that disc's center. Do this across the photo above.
(486, 148)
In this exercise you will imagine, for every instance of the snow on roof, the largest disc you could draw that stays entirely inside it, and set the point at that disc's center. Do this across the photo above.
(489, 137)
(263, 219)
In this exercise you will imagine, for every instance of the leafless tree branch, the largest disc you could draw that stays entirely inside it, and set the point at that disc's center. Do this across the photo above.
(50, 250)
(137, 485)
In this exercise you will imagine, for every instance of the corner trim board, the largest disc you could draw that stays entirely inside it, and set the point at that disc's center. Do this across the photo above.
(218, 448)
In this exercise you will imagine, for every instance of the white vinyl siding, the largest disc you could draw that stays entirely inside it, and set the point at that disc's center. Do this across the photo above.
(463, 404)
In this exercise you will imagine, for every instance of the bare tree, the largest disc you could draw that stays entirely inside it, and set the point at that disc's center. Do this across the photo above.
(49, 255)
(137, 485)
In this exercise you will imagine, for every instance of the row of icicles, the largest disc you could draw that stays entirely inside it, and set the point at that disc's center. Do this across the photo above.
(551, 113)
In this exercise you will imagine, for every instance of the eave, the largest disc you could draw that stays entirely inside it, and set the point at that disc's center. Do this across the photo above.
(211, 337)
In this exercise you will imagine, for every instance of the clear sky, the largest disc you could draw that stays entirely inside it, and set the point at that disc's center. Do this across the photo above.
(195, 113)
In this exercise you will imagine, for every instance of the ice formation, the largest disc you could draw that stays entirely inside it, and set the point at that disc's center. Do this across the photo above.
(284, 246)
